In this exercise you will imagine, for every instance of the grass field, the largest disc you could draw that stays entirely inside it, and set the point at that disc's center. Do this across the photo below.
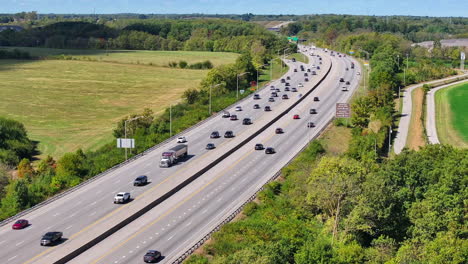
(451, 115)
(156, 58)
(415, 138)
(299, 57)
(67, 105)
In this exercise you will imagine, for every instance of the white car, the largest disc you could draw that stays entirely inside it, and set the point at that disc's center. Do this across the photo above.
(358, 73)
(238, 108)
(300, 85)
(122, 197)
(181, 140)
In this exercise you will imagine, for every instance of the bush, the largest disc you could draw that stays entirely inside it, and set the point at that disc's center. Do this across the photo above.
(183, 64)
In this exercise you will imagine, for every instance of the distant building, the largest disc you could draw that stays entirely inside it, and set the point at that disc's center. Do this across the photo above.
(15, 28)
(275, 29)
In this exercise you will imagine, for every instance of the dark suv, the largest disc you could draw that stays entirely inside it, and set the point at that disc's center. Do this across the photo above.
(51, 238)
(246, 121)
(140, 180)
(259, 146)
(151, 256)
(214, 134)
(229, 134)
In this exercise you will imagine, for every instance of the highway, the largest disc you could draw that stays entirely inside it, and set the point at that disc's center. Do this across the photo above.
(175, 225)
(86, 212)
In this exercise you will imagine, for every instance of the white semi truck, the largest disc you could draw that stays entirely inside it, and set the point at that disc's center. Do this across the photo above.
(173, 155)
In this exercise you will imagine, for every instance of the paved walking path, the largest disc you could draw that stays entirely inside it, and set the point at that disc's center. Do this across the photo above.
(400, 139)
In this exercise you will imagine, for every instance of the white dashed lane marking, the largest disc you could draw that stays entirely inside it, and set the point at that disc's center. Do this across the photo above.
(12, 258)
(17, 244)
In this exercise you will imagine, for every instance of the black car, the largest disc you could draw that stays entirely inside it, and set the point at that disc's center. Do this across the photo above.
(348, 83)
(283, 80)
(288, 78)
(272, 87)
(285, 96)
(310, 124)
(293, 89)
(313, 111)
(286, 89)
(316, 99)
(140, 180)
(51, 238)
(293, 59)
(306, 74)
(259, 146)
(306, 79)
(271, 99)
(318, 67)
(274, 94)
(256, 97)
(295, 70)
(267, 108)
(269, 150)
(286, 84)
(246, 121)
(210, 146)
(314, 73)
(279, 130)
(229, 134)
(233, 117)
(278, 90)
(341, 79)
(214, 134)
(151, 256)
(347, 69)
(256, 106)
(308, 70)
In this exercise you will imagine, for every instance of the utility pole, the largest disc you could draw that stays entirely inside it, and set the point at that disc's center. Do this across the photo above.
(211, 87)
(257, 73)
(170, 120)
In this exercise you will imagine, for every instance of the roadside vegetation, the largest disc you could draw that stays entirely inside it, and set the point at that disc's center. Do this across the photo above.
(451, 119)
(299, 57)
(140, 93)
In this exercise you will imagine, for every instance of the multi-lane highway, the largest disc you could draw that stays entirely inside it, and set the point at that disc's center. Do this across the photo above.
(175, 225)
(88, 211)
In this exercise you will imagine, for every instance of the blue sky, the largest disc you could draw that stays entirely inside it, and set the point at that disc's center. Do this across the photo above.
(299, 7)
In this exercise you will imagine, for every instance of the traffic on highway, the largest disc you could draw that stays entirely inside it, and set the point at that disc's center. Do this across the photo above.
(172, 226)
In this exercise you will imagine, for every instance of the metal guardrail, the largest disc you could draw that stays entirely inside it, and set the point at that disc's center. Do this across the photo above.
(98, 176)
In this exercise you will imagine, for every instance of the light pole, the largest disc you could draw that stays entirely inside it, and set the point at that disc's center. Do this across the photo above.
(257, 74)
(281, 60)
(170, 120)
(125, 130)
(239, 75)
(211, 87)
(406, 69)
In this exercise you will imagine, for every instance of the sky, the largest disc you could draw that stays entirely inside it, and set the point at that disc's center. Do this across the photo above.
(441, 8)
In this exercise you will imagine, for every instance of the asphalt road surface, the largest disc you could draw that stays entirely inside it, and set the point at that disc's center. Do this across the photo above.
(82, 214)
(175, 225)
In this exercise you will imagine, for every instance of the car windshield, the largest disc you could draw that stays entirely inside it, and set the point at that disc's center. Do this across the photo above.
(119, 194)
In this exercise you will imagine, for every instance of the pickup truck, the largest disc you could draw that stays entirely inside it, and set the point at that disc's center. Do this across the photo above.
(122, 197)
(51, 238)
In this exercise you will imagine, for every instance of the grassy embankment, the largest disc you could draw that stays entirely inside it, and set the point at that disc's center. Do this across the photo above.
(299, 57)
(451, 115)
(70, 104)
(416, 138)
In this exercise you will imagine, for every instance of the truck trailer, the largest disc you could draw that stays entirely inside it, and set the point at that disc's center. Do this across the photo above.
(173, 155)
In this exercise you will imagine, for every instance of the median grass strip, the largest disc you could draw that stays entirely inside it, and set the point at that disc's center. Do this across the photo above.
(416, 130)
(67, 105)
(451, 118)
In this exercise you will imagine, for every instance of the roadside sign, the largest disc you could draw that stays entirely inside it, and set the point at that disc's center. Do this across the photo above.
(126, 143)
(343, 110)
(351, 52)
(241, 91)
(462, 55)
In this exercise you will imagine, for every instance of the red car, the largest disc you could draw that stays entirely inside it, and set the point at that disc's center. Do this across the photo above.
(20, 224)
(296, 117)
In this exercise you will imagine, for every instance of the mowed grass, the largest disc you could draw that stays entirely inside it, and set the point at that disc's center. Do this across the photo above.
(66, 105)
(451, 115)
(148, 57)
